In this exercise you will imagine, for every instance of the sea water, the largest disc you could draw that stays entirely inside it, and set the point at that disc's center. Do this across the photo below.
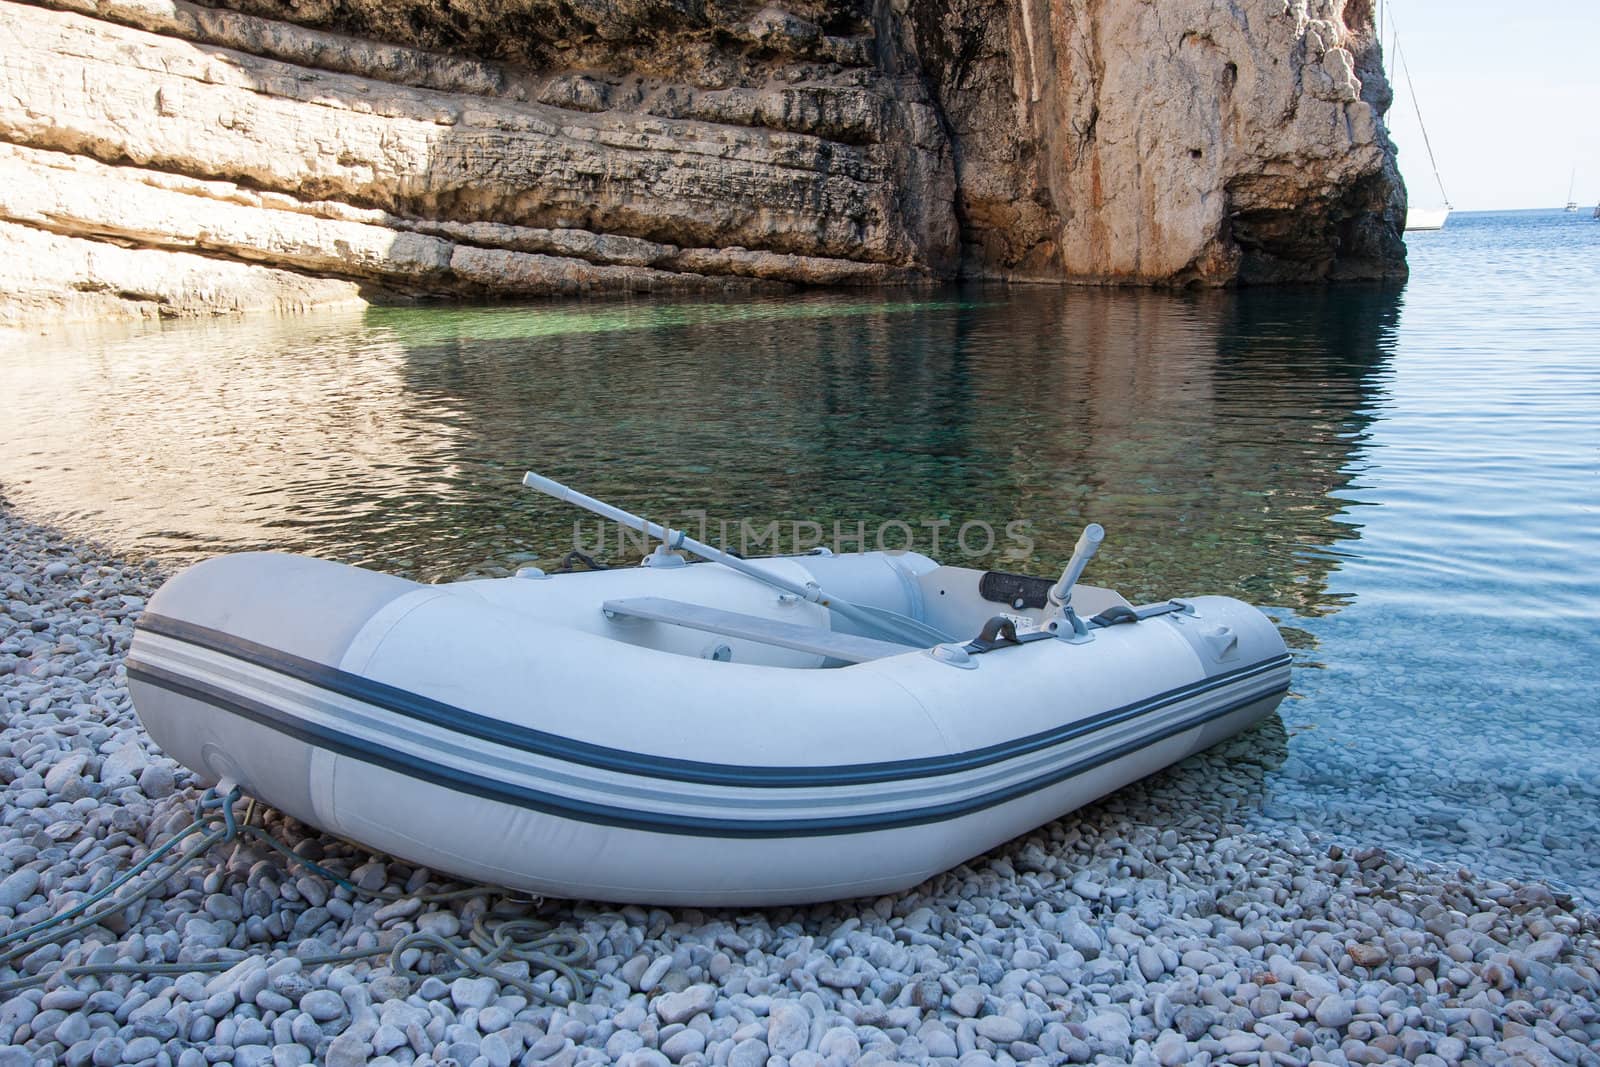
(1406, 478)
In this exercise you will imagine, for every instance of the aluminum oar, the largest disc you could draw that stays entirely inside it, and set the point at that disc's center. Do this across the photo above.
(888, 624)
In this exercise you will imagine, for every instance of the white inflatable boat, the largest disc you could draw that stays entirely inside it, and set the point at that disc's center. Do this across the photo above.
(683, 733)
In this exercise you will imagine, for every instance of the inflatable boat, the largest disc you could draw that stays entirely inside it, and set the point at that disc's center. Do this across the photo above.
(707, 733)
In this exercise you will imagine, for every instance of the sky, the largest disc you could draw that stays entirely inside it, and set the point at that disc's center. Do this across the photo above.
(1510, 93)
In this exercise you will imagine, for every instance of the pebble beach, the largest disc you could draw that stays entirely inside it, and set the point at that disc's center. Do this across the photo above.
(1154, 927)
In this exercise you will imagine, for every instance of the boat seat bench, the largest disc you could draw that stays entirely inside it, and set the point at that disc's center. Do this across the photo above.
(813, 639)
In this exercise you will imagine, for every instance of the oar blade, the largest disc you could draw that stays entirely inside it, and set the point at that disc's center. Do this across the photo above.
(891, 625)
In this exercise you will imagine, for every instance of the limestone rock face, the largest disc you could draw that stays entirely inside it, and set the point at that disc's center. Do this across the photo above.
(311, 165)
(1167, 141)
(173, 158)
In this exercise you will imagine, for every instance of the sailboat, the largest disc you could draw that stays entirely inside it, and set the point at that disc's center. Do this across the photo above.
(1572, 205)
(1421, 218)
(1426, 218)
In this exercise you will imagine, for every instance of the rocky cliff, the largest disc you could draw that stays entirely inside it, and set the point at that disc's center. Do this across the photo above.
(1167, 141)
(160, 157)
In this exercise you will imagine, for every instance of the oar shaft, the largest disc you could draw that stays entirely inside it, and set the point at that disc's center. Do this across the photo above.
(1088, 544)
(898, 627)
(673, 538)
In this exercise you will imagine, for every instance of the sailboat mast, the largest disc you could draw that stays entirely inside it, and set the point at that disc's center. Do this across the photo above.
(1418, 107)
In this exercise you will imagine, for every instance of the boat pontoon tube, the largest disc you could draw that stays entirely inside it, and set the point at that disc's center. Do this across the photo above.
(550, 734)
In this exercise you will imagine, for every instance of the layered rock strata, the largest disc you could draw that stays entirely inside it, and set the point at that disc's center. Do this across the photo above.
(158, 157)
(450, 176)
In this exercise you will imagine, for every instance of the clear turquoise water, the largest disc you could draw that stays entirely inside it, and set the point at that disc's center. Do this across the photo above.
(1407, 478)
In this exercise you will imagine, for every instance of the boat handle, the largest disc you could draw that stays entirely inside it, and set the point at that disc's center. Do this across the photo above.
(997, 632)
(1114, 615)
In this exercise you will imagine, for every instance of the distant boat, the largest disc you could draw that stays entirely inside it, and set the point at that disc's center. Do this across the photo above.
(1572, 205)
(1428, 218)
(1597, 211)
(1421, 218)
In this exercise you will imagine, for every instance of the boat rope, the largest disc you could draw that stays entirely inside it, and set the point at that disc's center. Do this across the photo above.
(1417, 106)
(487, 952)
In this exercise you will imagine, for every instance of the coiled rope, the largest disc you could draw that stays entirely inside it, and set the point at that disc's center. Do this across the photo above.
(488, 949)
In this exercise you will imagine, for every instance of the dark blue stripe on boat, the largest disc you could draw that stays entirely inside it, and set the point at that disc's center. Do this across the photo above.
(554, 746)
(660, 822)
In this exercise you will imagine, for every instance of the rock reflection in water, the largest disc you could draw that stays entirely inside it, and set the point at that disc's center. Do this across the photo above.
(1205, 432)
